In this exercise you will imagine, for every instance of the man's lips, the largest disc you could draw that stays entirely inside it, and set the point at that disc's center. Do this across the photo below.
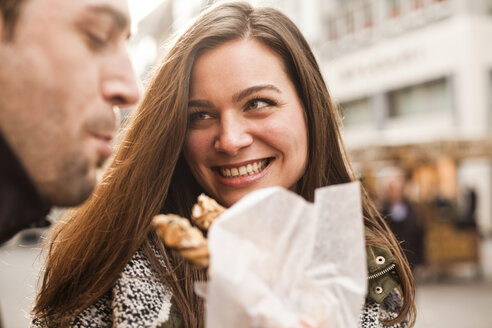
(103, 142)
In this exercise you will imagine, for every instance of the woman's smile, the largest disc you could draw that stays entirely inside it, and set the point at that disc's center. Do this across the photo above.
(239, 175)
(245, 169)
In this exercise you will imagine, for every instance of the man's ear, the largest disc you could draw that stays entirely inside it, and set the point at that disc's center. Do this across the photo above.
(1, 24)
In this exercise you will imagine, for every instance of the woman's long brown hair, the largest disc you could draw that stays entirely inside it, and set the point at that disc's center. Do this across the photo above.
(148, 175)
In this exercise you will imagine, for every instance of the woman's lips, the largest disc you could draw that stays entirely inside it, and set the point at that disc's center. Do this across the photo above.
(244, 173)
(243, 170)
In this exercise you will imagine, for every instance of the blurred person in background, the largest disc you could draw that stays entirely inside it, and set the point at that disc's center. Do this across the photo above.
(64, 71)
(401, 215)
(241, 86)
(467, 218)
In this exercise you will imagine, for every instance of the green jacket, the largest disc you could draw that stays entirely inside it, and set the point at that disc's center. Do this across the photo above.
(382, 275)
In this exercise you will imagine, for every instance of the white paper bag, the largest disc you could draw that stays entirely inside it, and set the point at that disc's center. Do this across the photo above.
(277, 259)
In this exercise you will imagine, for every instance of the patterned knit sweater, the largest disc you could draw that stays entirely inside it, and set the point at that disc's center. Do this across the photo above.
(138, 299)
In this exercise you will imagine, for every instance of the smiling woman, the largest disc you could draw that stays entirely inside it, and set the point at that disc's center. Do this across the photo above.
(247, 129)
(237, 104)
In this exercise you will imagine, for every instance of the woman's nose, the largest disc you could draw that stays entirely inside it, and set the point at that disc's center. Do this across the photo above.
(233, 135)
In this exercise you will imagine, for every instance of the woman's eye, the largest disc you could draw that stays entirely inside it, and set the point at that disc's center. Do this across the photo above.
(199, 116)
(259, 103)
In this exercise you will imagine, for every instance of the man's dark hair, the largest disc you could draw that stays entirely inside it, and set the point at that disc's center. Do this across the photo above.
(10, 11)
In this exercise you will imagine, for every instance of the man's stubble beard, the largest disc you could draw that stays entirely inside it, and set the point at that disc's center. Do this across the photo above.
(75, 181)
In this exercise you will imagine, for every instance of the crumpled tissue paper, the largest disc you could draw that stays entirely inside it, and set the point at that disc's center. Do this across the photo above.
(278, 260)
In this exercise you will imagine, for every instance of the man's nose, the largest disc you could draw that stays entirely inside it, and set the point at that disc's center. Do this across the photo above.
(119, 85)
(233, 135)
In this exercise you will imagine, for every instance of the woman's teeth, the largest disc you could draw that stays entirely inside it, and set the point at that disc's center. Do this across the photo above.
(244, 170)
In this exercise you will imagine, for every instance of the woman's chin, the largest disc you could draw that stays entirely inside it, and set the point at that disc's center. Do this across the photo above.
(231, 198)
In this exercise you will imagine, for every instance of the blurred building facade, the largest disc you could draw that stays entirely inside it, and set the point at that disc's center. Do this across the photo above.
(413, 79)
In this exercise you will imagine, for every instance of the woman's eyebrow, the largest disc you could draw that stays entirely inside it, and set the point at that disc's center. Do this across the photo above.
(249, 91)
(200, 103)
(237, 97)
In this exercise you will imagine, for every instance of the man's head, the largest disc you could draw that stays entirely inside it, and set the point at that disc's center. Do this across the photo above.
(392, 183)
(64, 68)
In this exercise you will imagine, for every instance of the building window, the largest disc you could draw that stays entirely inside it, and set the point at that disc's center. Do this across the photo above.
(416, 4)
(368, 19)
(332, 29)
(393, 8)
(356, 112)
(349, 21)
(488, 7)
(490, 97)
(432, 96)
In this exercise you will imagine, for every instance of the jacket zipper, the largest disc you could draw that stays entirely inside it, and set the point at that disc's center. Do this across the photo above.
(382, 272)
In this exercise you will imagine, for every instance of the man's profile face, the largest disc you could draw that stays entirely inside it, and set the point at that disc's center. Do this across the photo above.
(61, 74)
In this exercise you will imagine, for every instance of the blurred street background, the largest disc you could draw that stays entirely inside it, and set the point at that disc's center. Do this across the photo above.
(413, 81)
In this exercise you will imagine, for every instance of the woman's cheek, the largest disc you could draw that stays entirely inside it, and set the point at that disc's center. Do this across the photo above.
(195, 147)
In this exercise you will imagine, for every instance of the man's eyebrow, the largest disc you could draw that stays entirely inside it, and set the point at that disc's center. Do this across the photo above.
(117, 16)
(249, 91)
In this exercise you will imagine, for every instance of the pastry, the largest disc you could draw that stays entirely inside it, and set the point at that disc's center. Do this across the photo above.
(178, 234)
(206, 211)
